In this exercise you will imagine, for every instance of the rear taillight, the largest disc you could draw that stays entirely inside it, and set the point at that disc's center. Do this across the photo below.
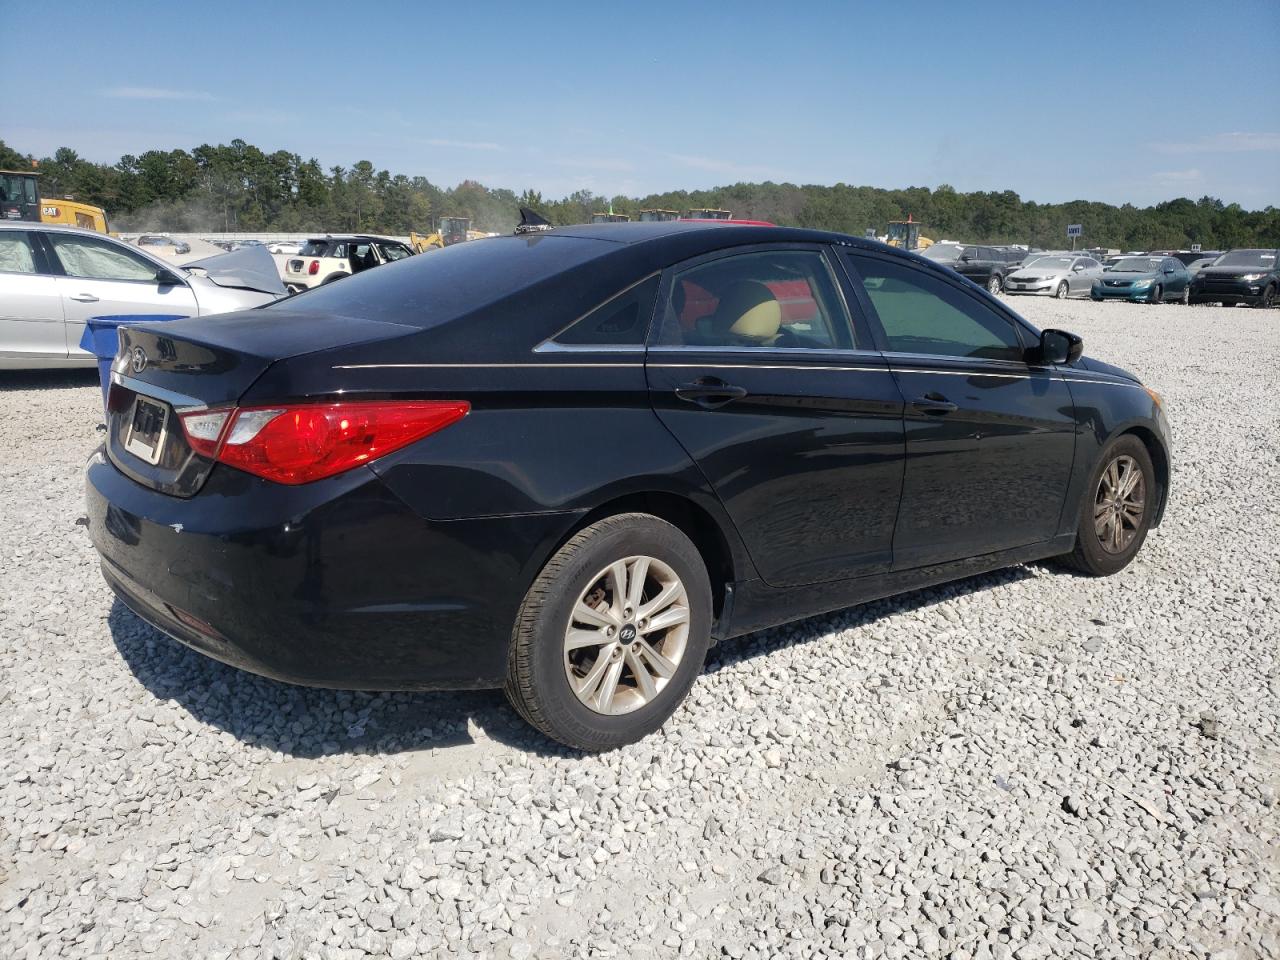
(314, 268)
(299, 443)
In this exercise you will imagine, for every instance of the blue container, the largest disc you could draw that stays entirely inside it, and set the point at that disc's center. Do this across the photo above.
(101, 338)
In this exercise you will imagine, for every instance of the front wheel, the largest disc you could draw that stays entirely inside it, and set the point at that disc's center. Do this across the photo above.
(994, 285)
(1185, 299)
(1062, 291)
(1268, 298)
(1157, 295)
(1117, 509)
(611, 634)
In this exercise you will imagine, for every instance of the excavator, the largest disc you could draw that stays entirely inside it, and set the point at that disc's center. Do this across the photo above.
(906, 234)
(20, 200)
(449, 230)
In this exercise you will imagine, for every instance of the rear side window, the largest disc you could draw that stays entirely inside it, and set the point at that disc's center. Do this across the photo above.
(622, 320)
(16, 255)
(921, 313)
(780, 299)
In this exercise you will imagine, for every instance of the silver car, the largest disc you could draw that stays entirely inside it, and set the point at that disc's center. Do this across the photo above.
(1061, 276)
(53, 279)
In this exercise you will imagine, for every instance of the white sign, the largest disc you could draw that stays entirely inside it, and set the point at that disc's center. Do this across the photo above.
(1075, 230)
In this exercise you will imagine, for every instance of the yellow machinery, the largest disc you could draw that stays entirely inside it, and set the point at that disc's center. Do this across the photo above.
(449, 230)
(906, 234)
(651, 216)
(610, 218)
(20, 200)
(703, 213)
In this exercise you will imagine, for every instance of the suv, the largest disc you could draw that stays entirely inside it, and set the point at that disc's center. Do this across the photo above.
(1239, 276)
(325, 259)
(988, 266)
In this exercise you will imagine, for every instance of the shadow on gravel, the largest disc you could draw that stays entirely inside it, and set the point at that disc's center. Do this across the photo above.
(307, 722)
(48, 379)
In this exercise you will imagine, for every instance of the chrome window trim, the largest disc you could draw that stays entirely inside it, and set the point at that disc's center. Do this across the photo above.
(484, 366)
(757, 351)
(179, 401)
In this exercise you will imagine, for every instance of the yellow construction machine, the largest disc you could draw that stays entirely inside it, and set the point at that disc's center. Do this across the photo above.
(20, 200)
(449, 230)
(650, 216)
(906, 234)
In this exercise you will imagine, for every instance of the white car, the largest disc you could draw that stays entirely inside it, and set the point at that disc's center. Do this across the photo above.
(287, 247)
(326, 259)
(1061, 276)
(53, 279)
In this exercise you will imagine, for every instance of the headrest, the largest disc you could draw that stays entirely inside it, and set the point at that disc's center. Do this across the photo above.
(749, 309)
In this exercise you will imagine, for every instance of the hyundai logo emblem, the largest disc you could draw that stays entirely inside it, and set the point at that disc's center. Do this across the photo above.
(138, 360)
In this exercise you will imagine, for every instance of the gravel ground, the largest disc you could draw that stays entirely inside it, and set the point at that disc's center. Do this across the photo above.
(1024, 764)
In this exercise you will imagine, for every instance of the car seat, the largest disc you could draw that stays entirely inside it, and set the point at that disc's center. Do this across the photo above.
(748, 313)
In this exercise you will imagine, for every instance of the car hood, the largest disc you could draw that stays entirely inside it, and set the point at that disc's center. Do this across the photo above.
(1229, 272)
(1128, 275)
(1097, 366)
(1025, 273)
(249, 268)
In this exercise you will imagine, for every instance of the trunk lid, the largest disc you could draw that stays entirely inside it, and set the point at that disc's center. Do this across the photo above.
(164, 369)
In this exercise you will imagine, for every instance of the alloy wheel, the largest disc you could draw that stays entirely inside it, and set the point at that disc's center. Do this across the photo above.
(1061, 292)
(626, 635)
(1119, 504)
(994, 283)
(1157, 295)
(1186, 295)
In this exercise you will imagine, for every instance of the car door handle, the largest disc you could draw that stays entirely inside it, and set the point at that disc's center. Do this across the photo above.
(710, 392)
(84, 298)
(934, 403)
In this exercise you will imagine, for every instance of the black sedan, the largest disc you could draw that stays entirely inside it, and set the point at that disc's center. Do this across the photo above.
(568, 462)
(1239, 276)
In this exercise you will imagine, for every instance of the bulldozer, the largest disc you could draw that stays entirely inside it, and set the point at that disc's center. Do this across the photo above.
(610, 218)
(705, 213)
(449, 230)
(20, 200)
(654, 216)
(906, 234)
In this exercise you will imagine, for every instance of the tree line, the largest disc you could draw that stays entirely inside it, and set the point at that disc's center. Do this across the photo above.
(239, 187)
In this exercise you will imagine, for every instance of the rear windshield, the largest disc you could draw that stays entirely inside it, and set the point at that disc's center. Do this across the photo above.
(442, 285)
(314, 248)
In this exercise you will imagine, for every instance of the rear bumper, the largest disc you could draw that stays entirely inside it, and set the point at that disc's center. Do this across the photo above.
(335, 584)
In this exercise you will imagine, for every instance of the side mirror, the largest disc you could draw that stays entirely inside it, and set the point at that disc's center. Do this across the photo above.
(1060, 347)
(1168, 269)
(1077, 268)
(167, 278)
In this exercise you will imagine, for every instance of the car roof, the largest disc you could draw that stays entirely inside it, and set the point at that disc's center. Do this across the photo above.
(339, 236)
(52, 227)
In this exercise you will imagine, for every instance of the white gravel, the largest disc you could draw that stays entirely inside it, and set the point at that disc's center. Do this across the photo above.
(1027, 764)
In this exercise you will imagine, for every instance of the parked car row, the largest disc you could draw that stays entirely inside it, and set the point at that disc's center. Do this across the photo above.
(986, 265)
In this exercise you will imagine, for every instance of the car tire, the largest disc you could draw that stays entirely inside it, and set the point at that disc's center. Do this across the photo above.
(1099, 550)
(995, 284)
(1157, 294)
(1185, 299)
(333, 278)
(1063, 290)
(565, 674)
(1268, 298)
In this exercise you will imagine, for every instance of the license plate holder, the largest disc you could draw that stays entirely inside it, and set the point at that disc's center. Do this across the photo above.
(148, 426)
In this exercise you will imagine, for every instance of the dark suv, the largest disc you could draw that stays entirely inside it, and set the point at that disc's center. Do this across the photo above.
(1239, 276)
(985, 266)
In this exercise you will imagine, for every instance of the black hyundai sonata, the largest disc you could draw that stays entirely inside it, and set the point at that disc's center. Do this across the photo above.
(566, 463)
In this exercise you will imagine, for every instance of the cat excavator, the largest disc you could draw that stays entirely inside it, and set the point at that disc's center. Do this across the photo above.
(20, 200)
(449, 230)
(906, 234)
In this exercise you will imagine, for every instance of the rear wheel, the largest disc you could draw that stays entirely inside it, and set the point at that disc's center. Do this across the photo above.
(1062, 291)
(1116, 511)
(611, 634)
(994, 285)
(1157, 295)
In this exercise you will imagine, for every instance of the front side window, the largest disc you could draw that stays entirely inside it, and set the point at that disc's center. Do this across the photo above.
(622, 320)
(921, 313)
(780, 299)
(16, 255)
(96, 259)
(393, 251)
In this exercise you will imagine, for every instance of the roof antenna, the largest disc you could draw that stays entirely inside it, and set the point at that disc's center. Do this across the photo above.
(531, 222)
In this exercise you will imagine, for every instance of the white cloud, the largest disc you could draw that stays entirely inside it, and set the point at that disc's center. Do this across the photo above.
(1224, 143)
(1190, 175)
(155, 93)
(459, 144)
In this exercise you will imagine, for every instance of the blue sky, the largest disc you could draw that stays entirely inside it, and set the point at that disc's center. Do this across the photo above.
(1062, 101)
